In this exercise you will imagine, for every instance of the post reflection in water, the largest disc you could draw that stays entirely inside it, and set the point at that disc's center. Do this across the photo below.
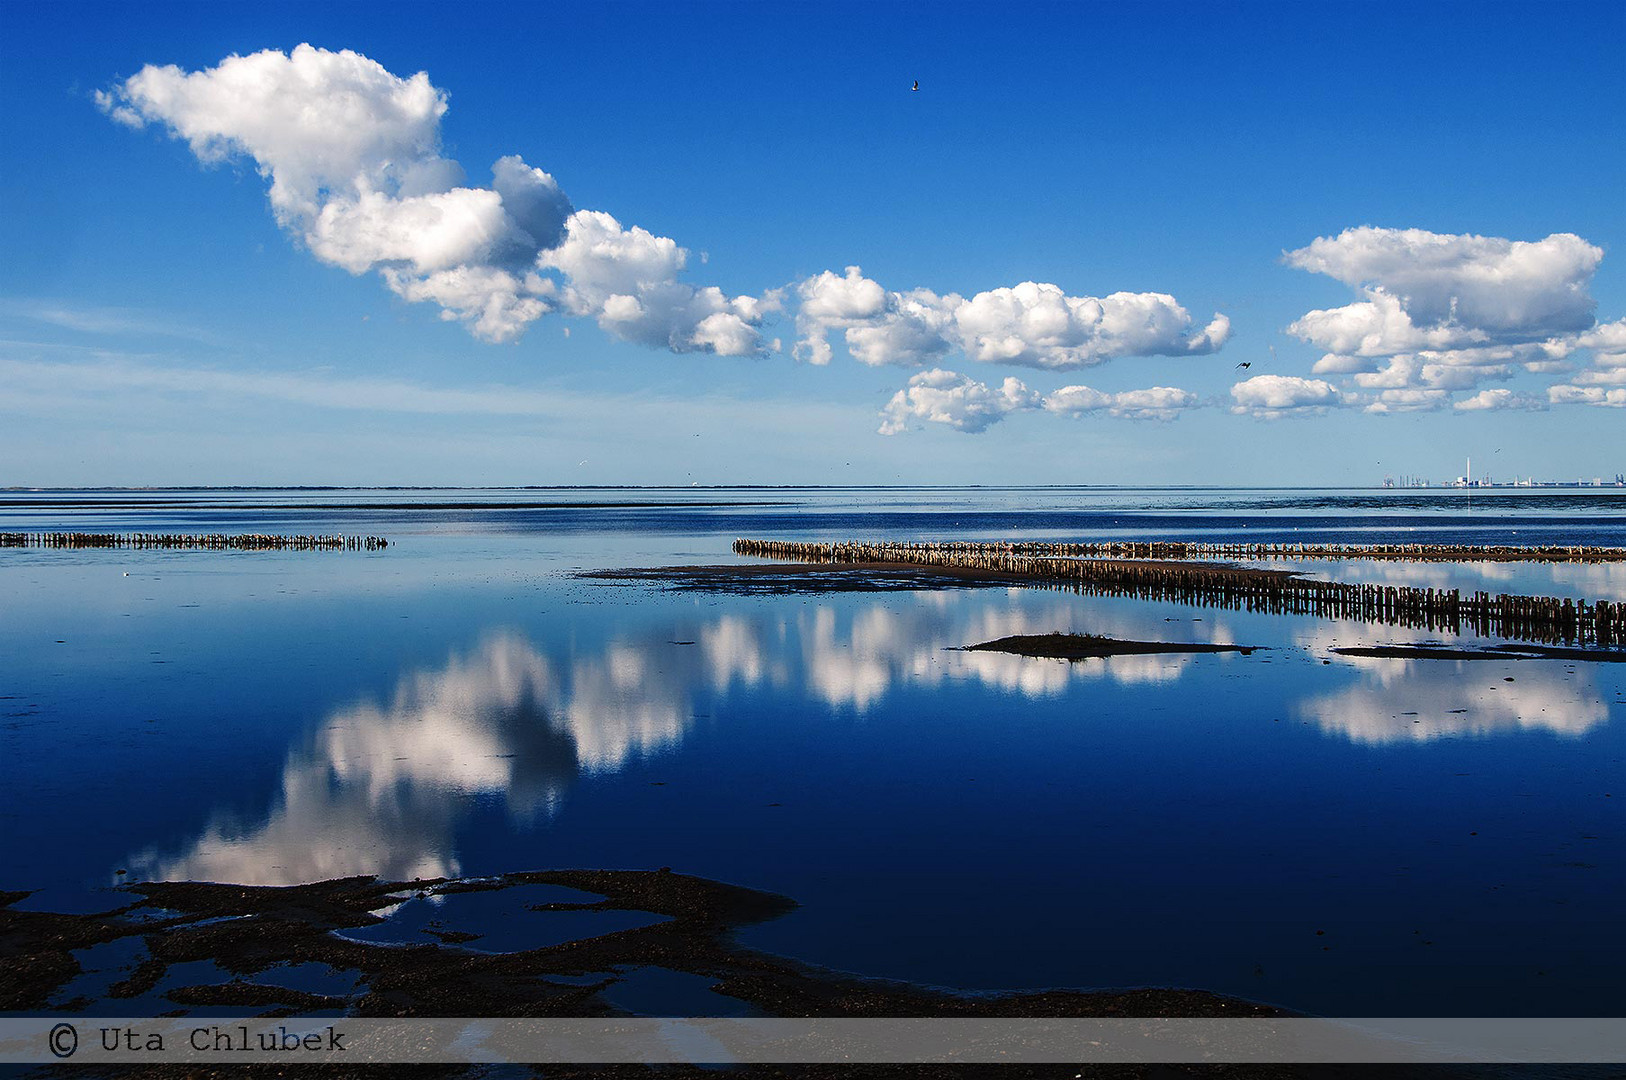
(1579, 581)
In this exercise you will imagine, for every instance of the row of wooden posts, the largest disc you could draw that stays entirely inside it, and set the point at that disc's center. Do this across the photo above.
(1194, 549)
(212, 541)
(1529, 618)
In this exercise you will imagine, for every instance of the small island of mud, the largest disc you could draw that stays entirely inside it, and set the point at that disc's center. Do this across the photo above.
(1085, 646)
(788, 579)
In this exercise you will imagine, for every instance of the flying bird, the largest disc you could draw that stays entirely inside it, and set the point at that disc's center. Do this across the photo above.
(916, 86)
(1245, 364)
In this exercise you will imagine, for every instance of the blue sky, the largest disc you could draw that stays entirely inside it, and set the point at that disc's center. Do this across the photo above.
(1148, 167)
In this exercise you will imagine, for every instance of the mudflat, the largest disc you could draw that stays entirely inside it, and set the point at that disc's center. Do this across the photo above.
(251, 931)
(1084, 646)
(832, 577)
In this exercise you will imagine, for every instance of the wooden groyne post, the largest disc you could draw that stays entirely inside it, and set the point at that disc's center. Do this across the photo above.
(208, 541)
(1175, 550)
(1530, 618)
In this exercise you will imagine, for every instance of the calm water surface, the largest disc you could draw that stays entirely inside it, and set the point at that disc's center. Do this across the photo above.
(1342, 836)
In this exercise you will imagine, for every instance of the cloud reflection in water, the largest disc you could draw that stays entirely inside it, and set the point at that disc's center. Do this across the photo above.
(919, 644)
(1400, 700)
(382, 789)
(385, 788)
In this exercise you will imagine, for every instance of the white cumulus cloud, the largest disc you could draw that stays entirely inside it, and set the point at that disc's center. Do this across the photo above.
(1277, 395)
(1569, 394)
(627, 279)
(1154, 403)
(1378, 326)
(944, 397)
(1472, 285)
(1027, 325)
(1429, 371)
(352, 153)
(1439, 313)
(1607, 341)
(353, 156)
(960, 402)
(1408, 399)
(1499, 398)
(1040, 326)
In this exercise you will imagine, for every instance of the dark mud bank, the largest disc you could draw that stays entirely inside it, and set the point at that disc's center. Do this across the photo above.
(250, 931)
(1087, 646)
(781, 579)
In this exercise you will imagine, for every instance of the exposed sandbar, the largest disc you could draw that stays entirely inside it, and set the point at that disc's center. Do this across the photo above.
(832, 577)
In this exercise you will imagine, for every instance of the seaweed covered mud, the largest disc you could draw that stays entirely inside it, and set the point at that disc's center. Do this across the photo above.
(246, 935)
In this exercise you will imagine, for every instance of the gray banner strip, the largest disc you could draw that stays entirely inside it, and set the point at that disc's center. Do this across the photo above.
(776, 1041)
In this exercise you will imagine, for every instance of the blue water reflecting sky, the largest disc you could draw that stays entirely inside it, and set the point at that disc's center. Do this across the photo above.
(1354, 836)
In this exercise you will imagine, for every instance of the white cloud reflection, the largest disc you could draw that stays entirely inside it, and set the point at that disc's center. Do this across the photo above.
(386, 787)
(380, 789)
(1398, 700)
(1602, 581)
(920, 644)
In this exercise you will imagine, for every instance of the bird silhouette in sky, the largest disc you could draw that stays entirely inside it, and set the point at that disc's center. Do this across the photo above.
(1245, 364)
(916, 86)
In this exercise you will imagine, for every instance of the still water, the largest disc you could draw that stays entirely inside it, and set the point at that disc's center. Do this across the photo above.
(1337, 835)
